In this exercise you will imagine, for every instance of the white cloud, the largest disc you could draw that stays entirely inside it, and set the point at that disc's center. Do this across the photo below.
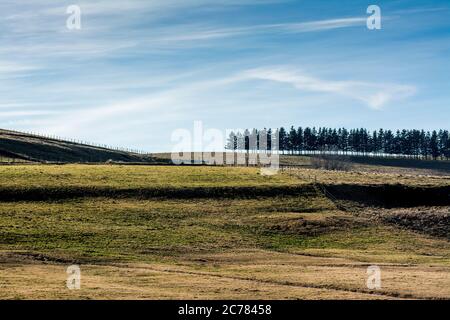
(321, 25)
(26, 113)
(179, 97)
(129, 65)
(374, 95)
(14, 67)
(202, 32)
(187, 95)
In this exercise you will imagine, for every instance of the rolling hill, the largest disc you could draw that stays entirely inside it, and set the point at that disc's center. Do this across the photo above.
(204, 232)
(23, 147)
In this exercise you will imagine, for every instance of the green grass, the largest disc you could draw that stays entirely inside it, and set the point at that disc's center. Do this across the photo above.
(117, 230)
(107, 228)
(174, 240)
(21, 177)
(122, 177)
(127, 228)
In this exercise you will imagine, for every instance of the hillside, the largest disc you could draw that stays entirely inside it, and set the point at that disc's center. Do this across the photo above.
(174, 232)
(23, 147)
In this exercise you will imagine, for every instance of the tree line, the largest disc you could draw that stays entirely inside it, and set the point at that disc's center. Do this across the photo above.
(412, 143)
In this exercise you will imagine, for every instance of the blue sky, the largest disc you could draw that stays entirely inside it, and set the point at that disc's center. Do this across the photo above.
(138, 70)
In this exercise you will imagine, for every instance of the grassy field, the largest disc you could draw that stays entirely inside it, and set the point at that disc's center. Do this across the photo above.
(363, 164)
(123, 177)
(240, 244)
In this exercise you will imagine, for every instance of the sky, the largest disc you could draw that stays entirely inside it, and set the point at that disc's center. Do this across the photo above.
(138, 70)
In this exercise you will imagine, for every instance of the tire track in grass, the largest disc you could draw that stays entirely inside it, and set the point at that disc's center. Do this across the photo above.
(385, 294)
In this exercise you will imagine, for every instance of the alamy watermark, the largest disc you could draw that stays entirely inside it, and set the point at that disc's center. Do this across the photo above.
(373, 278)
(226, 147)
(374, 20)
(73, 22)
(73, 281)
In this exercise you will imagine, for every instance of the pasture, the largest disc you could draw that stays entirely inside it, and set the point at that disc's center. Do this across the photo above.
(155, 232)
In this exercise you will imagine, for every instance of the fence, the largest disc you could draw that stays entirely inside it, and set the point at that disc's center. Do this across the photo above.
(73, 141)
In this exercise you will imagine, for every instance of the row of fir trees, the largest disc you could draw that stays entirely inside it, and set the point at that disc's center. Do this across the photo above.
(408, 142)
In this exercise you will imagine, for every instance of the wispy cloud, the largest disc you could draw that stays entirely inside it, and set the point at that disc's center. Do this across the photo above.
(421, 10)
(374, 95)
(11, 114)
(144, 66)
(189, 94)
(38, 27)
(321, 25)
(191, 33)
(8, 67)
(179, 97)
(97, 40)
